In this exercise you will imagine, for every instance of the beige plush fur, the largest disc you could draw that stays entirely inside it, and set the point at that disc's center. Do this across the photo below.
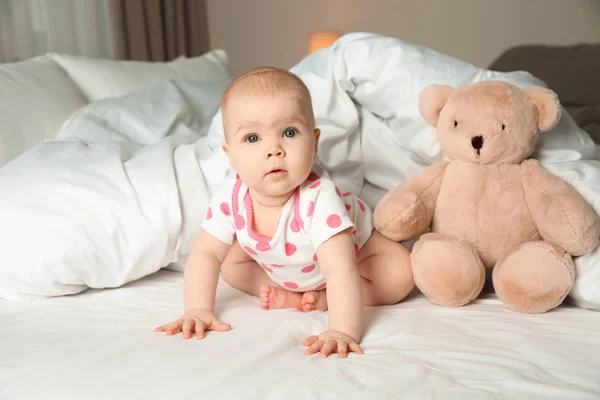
(488, 206)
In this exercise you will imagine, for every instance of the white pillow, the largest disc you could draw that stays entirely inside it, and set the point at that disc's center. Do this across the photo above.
(36, 97)
(103, 78)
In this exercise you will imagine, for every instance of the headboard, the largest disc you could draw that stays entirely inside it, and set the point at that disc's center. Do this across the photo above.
(573, 72)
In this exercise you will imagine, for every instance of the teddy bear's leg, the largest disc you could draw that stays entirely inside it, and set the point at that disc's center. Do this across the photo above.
(448, 271)
(534, 277)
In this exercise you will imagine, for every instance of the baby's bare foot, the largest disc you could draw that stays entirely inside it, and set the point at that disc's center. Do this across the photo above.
(314, 301)
(272, 298)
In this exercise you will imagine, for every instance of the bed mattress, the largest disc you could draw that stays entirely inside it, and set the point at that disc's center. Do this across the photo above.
(100, 345)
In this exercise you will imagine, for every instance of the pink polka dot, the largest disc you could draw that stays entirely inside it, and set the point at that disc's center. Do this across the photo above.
(356, 249)
(348, 206)
(347, 194)
(308, 269)
(266, 268)
(313, 177)
(237, 176)
(239, 222)
(334, 221)
(311, 208)
(294, 226)
(321, 286)
(290, 249)
(277, 265)
(290, 285)
(338, 191)
(354, 232)
(263, 246)
(315, 185)
(233, 236)
(209, 213)
(361, 205)
(225, 208)
(315, 258)
(250, 250)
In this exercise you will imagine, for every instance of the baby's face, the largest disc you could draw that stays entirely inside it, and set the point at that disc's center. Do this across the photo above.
(271, 143)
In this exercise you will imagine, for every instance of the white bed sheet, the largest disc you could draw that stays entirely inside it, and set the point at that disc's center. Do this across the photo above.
(100, 345)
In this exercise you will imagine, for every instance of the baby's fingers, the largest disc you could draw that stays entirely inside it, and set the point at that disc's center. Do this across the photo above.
(165, 327)
(342, 349)
(200, 328)
(219, 326)
(328, 348)
(174, 327)
(355, 347)
(188, 324)
(310, 340)
(315, 347)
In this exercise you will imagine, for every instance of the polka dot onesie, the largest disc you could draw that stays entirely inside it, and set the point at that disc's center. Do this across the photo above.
(317, 211)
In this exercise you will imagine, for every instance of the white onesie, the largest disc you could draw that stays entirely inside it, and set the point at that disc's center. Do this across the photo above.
(317, 211)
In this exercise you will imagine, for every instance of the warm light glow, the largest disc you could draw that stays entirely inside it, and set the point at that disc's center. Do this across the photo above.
(320, 40)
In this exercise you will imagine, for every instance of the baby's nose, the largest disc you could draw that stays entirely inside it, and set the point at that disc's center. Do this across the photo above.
(275, 152)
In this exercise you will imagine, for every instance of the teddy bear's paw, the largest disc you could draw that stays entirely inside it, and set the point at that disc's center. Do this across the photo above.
(400, 216)
(448, 271)
(534, 277)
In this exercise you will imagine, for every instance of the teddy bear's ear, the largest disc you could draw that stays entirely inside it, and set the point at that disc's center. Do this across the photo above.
(432, 100)
(548, 106)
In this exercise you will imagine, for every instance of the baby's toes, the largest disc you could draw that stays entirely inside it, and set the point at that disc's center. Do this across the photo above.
(265, 296)
(309, 301)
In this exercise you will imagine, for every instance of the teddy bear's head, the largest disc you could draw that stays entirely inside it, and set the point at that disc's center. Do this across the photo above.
(489, 122)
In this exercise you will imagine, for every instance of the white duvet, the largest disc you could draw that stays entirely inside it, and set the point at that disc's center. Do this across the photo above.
(121, 192)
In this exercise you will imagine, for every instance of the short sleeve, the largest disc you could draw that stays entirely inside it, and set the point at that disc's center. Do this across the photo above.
(218, 220)
(326, 213)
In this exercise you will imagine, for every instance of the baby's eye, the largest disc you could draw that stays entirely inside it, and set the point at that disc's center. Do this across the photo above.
(455, 124)
(290, 133)
(252, 139)
(503, 126)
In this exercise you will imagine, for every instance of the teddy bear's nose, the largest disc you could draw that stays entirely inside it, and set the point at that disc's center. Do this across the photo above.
(477, 142)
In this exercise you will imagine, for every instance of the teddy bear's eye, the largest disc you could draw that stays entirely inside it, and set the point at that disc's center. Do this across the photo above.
(503, 127)
(456, 124)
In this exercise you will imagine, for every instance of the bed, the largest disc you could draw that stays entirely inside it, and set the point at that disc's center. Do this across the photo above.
(101, 344)
(79, 309)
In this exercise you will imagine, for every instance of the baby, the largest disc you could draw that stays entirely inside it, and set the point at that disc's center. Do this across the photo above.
(281, 230)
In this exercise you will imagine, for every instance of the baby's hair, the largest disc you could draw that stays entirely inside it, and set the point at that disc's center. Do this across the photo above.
(269, 81)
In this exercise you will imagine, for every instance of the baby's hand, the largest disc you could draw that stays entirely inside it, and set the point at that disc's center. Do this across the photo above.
(330, 342)
(196, 320)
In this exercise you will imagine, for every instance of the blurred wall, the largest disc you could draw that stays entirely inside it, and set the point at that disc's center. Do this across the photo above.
(275, 32)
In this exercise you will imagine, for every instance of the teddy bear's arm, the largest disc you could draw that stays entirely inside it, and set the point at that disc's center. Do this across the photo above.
(407, 210)
(561, 214)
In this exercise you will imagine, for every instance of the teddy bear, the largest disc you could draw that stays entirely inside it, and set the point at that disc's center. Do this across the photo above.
(487, 209)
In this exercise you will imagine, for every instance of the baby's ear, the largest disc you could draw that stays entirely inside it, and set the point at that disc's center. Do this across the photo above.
(317, 136)
(548, 106)
(225, 148)
(432, 100)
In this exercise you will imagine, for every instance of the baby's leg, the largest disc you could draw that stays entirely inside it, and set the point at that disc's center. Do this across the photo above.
(243, 273)
(386, 272)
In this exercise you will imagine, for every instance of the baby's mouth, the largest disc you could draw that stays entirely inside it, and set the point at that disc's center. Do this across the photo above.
(277, 171)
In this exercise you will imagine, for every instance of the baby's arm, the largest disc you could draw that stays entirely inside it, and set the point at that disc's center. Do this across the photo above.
(202, 272)
(330, 228)
(202, 269)
(337, 260)
(200, 285)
